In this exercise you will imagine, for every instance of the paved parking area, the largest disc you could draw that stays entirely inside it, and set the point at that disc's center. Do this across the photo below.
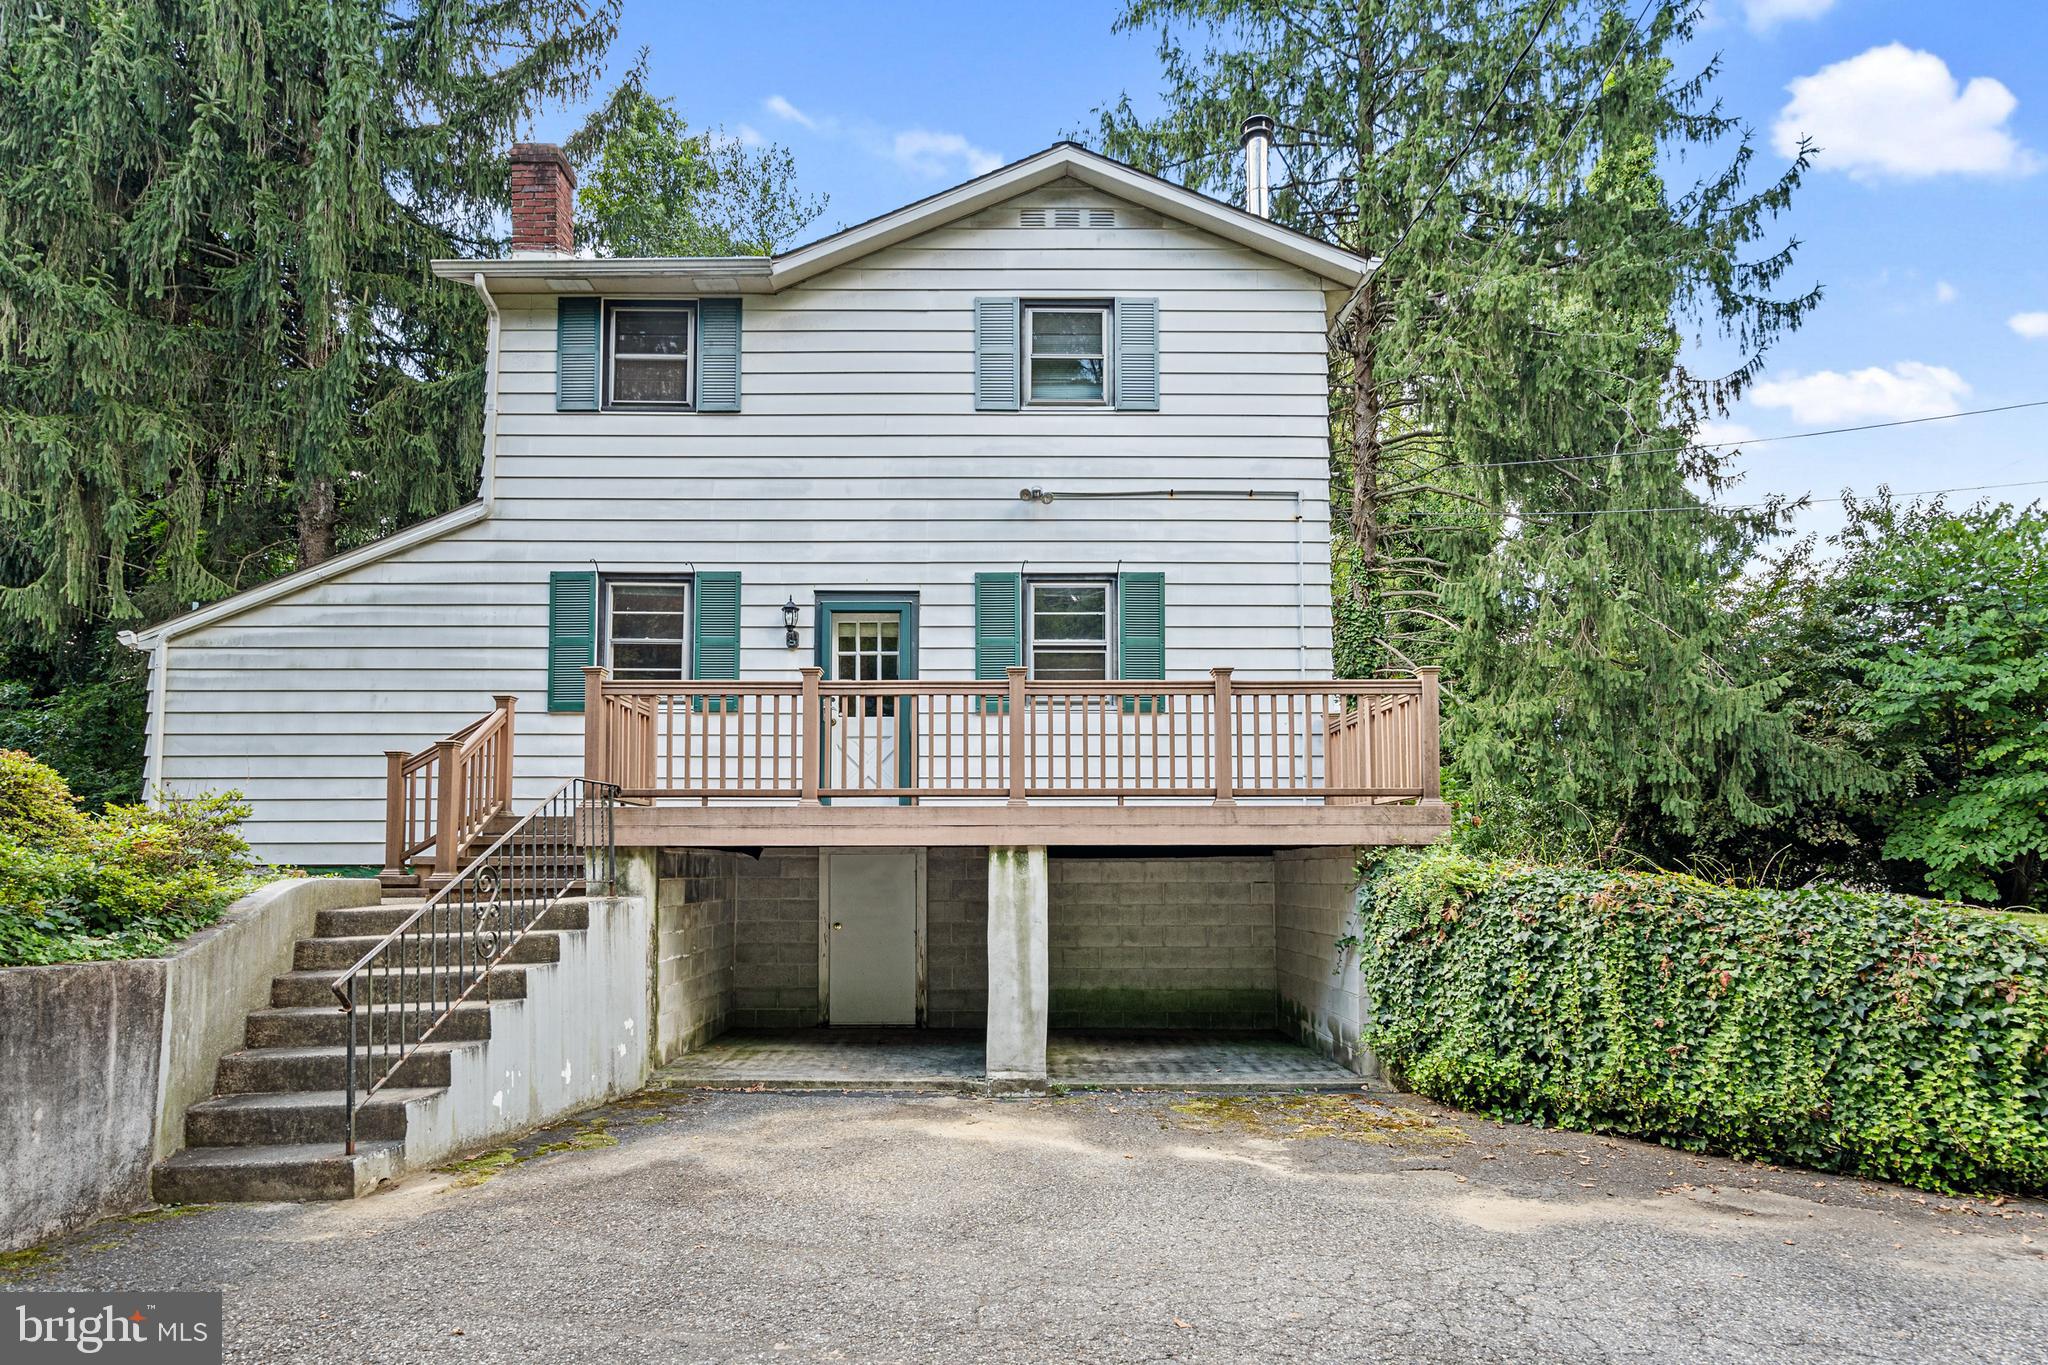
(1208, 1061)
(694, 1225)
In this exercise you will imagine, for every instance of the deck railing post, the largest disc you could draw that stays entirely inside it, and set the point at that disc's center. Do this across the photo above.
(1223, 723)
(447, 805)
(510, 706)
(1432, 744)
(1020, 739)
(597, 765)
(394, 812)
(810, 725)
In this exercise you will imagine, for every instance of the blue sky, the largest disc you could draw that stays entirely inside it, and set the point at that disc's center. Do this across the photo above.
(1925, 219)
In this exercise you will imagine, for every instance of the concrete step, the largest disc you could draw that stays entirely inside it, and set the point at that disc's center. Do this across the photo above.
(301, 1116)
(316, 987)
(573, 913)
(454, 947)
(327, 1026)
(267, 1070)
(230, 1175)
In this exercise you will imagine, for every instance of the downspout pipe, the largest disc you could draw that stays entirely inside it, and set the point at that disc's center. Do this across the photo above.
(1049, 496)
(488, 488)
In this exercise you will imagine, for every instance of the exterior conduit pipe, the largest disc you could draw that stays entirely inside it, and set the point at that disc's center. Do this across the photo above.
(1049, 496)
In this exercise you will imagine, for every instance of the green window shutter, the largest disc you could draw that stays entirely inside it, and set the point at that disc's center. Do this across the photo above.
(715, 635)
(1141, 632)
(718, 355)
(997, 342)
(572, 636)
(1137, 355)
(998, 624)
(576, 352)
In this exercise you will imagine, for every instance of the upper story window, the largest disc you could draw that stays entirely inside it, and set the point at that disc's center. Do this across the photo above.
(647, 350)
(646, 635)
(1066, 354)
(1067, 628)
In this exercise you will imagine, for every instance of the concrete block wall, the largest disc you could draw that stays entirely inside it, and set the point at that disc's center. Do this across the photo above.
(956, 938)
(775, 941)
(696, 902)
(1322, 1001)
(1162, 943)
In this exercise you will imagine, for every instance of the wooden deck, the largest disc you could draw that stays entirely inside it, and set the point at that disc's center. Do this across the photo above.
(1215, 763)
(1054, 826)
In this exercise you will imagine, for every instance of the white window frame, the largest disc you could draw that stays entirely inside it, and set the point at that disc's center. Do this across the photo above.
(1108, 584)
(609, 635)
(612, 310)
(1108, 314)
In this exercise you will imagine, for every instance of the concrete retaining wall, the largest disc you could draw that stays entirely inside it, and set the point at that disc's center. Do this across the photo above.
(583, 1034)
(99, 1060)
(1322, 1002)
(1181, 942)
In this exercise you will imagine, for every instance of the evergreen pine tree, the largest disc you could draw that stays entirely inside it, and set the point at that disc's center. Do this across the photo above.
(221, 354)
(1508, 381)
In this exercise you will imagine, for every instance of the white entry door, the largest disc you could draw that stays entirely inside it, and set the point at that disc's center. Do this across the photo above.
(865, 751)
(872, 926)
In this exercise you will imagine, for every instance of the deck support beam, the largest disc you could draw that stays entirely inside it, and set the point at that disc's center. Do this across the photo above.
(1019, 971)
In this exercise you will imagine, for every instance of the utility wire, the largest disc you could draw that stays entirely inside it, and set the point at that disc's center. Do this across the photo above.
(1765, 506)
(1751, 441)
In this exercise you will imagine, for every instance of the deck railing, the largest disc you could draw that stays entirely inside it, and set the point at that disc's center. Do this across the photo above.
(444, 796)
(1017, 741)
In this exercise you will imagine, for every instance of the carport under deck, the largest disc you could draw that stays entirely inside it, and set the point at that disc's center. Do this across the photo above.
(1023, 969)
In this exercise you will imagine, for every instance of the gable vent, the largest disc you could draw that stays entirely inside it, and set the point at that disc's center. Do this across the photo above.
(1066, 218)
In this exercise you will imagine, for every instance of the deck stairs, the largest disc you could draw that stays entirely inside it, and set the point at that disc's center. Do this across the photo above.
(274, 1127)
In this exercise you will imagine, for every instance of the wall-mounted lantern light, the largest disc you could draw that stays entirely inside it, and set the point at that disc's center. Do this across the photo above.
(789, 610)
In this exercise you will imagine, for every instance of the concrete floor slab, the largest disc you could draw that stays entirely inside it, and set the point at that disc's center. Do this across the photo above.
(835, 1059)
(1190, 1060)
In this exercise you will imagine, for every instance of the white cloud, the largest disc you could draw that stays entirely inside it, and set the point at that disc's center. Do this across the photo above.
(783, 109)
(1764, 15)
(1944, 292)
(1910, 388)
(2032, 326)
(1896, 113)
(1722, 434)
(748, 135)
(926, 153)
(932, 155)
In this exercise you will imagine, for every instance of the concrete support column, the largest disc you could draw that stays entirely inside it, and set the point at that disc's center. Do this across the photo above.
(1018, 973)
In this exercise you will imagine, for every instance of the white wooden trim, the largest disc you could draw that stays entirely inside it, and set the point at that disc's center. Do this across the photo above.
(1066, 159)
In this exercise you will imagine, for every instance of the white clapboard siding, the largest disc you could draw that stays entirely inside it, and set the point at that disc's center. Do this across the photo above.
(857, 462)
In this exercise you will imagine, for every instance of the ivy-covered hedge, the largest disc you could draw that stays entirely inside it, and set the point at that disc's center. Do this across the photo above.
(1846, 1031)
(130, 882)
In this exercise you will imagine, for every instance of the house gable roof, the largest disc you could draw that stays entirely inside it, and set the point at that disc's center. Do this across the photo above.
(771, 274)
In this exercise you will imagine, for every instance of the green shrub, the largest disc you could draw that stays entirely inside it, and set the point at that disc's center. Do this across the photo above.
(1871, 1033)
(34, 802)
(128, 883)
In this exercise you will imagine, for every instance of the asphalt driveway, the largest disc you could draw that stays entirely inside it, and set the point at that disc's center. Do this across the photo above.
(734, 1226)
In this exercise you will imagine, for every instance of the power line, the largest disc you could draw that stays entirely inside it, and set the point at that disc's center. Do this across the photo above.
(1754, 440)
(1765, 506)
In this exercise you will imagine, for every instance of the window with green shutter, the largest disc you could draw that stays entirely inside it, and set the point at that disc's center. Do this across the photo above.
(998, 628)
(576, 357)
(572, 635)
(1141, 632)
(715, 644)
(1137, 355)
(997, 337)
(718, 355)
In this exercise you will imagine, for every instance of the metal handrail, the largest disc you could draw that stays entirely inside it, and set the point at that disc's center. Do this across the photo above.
(443, 952)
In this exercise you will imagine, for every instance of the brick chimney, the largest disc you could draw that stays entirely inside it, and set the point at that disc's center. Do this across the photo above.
(543, 200)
